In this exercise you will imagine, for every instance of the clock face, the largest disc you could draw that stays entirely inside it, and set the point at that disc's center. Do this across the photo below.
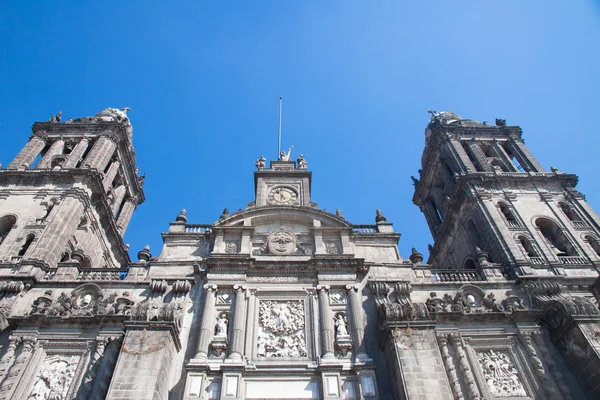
(282, 195)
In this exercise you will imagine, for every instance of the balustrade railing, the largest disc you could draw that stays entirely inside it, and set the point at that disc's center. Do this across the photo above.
(456, 276)
(580, 224)
(198, 228)
(573, 260)
(364, 229)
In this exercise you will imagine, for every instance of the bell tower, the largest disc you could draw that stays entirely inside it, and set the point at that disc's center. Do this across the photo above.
(70, 193)
(484, 194)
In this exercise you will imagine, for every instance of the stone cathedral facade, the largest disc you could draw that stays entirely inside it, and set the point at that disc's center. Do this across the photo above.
(283, 300)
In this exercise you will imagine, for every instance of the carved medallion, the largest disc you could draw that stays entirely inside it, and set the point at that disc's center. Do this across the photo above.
(282, 195)
(281, 329)
(332, 248)
(231, 247)
(281, 242)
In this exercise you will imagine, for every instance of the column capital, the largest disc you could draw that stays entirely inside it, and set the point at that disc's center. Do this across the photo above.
(352, 288)
(240, 288)
(42, 135)
(112, 136)
(210, 288)
(323, 288)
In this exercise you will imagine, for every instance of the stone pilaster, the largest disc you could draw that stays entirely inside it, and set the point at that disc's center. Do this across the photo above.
(8, 358)
(112, 172)
(27, 155)
(119, 195)
(54, 150)
(327, 334)
(463, 362)
(125, 215)
(77, 153)
(207, 324)
(92, 371)
(13, 374)
(538, 366)
(559, 379)
(239, 321)
(450, 369)
(101, 153)
(358, 325)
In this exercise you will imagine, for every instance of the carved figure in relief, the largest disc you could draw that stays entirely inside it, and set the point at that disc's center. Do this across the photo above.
(53, 381)
(221, 327)
(341, 328)
(282, 242)
(281, 330)
(501, 376)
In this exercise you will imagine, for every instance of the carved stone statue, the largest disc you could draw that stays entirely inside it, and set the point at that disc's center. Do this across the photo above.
(261, 162)
(341, 328)
(221, 326)
(302, 164)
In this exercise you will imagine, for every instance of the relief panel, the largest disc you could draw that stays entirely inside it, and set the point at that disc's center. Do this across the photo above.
(281, 329)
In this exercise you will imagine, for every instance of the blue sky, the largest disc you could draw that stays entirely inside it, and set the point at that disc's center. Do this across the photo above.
(357, 77)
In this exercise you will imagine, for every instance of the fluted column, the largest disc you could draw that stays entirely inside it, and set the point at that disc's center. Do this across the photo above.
(463, 362)
(327, 334)
(125, 215)
(108, 361)
(119, 195)
(449, 364)
(554, 370)
(54, 150)
(13, 374)
(101, 153)
(239, 320)
(77, 153)
(27, 155)
(8, 357)
(93, 367)
(112, 172)
(358, 326)
(540, 371)
(207, 324)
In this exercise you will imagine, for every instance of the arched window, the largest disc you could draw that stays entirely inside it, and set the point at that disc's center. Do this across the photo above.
(473, 233)
(508, 214)
(593, 243)
(6, 224)
(569, 211)
(556, 238)
(528, 247)
(469, 264)
(25, 247)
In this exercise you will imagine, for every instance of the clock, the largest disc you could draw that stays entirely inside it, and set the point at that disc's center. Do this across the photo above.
(283, 195)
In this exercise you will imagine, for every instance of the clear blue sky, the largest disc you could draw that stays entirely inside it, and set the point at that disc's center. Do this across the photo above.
(357, 77)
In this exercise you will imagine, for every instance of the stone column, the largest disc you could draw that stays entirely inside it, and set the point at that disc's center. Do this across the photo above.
(327, 334)
(540, 371)
(8, 357)
(119, 194)
(480, 156)
(54, 150)
(92, 371)
(523, 155)
(457, 148)
(554, 369)
(101, 152)
(502, 154)
(449, 364)
(112, 172)
(14, 373)
(125, 215)
(28, 154)
(106, 369)
(464, 366)
(358, 326)
(208, 322)
(239, 320)
(77, 153)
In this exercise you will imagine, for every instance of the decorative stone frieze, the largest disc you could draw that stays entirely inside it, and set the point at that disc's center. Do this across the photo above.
(281, 329)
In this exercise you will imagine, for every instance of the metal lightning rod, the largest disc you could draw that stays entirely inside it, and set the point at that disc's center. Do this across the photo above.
(279, 132)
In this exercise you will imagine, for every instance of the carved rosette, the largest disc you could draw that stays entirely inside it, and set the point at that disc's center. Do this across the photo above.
(281, 329)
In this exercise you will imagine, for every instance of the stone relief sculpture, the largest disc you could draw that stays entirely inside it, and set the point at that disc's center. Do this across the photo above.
(332, 248)
(281, 330)
(54, 379)
(501, 376)
(231, 247)
(282, 242)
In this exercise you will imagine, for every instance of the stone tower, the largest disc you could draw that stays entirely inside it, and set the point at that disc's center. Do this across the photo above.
(484, 194)
(70, 194)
